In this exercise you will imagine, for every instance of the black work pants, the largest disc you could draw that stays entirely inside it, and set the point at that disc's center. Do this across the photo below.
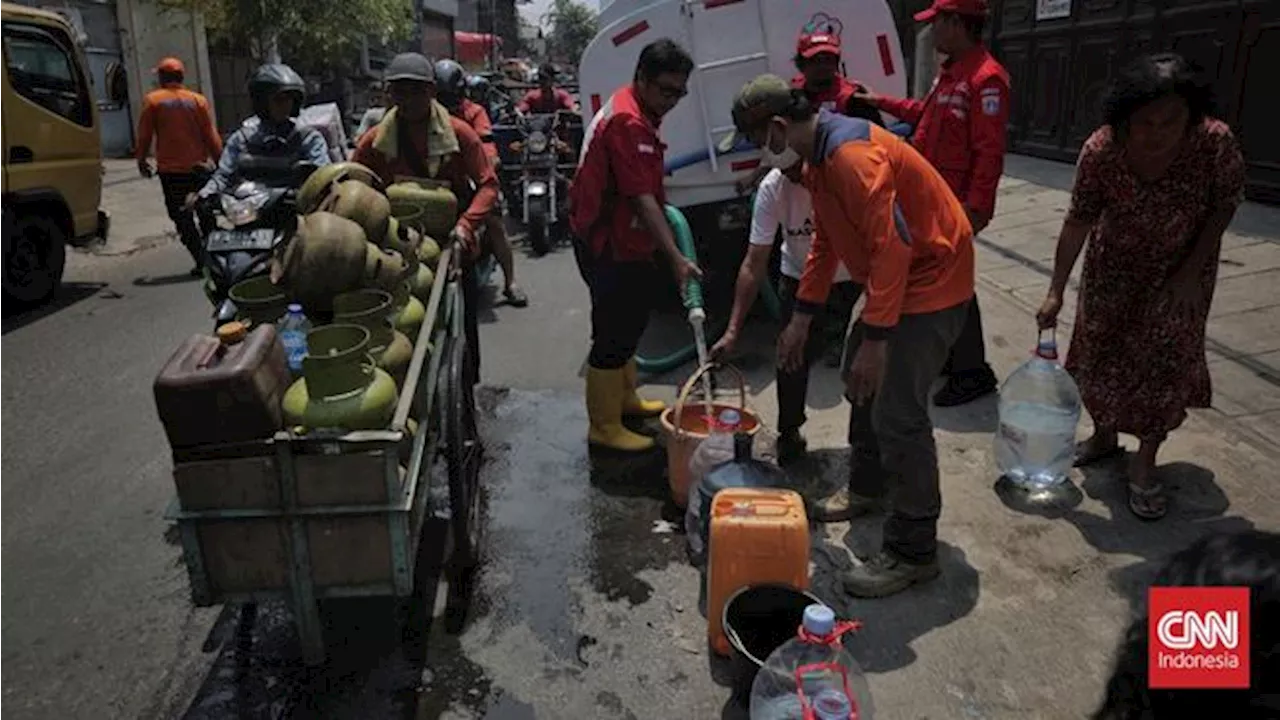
(793, 385)
(891, 436)
(176, 187)
(969, 355)
(621, 299)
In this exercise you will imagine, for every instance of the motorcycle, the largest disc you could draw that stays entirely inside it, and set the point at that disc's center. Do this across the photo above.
(544, 175)
(244, 228)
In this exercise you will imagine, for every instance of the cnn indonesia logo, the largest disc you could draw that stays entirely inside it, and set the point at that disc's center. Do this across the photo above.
(1198, 637)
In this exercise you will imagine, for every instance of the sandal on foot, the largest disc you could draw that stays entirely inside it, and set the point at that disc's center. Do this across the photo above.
(1149, 503)
(515, 297)
(1084, 458)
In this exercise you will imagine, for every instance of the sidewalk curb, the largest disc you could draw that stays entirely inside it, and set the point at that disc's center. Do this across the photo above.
(1216, 419)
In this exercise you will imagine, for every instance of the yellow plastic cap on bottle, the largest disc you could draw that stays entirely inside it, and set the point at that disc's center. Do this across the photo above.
(232, 332)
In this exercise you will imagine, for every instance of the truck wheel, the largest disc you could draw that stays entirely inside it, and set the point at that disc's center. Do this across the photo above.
(35, 254)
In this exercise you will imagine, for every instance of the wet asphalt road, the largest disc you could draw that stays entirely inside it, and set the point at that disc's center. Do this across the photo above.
(584, 607)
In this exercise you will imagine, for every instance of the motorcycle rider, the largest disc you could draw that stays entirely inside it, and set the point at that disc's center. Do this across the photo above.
(451, 87)
(478, 90)
(268, 146)
(547, 98)
(418, 138)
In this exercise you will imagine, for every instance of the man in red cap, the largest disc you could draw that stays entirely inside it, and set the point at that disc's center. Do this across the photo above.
(960, 128)
(187, 147)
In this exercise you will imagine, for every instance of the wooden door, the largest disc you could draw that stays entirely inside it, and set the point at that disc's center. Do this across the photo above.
(1255, 110)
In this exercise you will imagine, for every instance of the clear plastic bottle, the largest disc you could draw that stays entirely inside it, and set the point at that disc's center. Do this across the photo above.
(293, 328)
(716, 450)
(1039, 412)
(832, 683)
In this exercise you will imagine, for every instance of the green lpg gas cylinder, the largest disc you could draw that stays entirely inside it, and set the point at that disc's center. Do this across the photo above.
(408, 312)
(259, 300)
(422, 281)
(362, 205)
(371, 309)
(318, 185)
(438, 206)
(341, 387)
(404, 240)
(429, 252)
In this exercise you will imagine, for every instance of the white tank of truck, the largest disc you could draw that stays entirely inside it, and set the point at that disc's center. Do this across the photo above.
(731, 41)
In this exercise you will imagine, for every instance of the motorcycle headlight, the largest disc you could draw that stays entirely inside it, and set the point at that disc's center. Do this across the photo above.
(242, 211)
(537, 142)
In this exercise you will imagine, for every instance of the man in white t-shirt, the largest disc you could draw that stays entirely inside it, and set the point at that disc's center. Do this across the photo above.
(782, 203)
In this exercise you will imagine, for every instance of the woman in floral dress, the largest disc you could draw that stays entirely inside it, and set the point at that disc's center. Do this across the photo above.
(1155, 189)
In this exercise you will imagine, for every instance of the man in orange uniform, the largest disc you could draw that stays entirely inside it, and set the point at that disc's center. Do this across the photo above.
(451, 91)
(419, 138)
(960, 128)
(187, 147)
(547, 98)
(884, 212)
(616, 215)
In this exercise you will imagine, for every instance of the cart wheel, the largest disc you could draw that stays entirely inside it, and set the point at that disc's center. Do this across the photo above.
(466, 497)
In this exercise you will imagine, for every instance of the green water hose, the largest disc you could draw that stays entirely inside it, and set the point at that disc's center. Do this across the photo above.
(693, 301)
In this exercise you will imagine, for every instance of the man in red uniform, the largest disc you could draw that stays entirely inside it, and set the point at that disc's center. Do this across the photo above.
(547, 98)
(418, 138)
(960, 128)
(451, 91)
(885, 213)
(187, 147)
(617, 217)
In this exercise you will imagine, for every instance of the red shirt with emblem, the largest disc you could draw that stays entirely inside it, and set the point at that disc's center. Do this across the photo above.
(539, 102)
(623, 159)
(960, 126)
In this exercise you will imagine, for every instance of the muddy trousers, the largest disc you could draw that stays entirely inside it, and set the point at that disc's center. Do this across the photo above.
(793, 386)
(176, 187)
(891, 436)
(621, 300)
(969, 355)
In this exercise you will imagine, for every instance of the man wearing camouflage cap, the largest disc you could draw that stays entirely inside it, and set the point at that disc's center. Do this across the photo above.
(884, 212)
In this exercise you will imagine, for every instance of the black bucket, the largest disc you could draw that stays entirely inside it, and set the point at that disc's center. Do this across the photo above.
(758, 620)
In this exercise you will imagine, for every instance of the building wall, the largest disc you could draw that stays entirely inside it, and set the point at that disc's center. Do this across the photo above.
(148, 33)
(1061, 67)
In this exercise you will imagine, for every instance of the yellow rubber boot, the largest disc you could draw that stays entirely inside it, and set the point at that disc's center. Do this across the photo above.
(605, 392)
(632, 404)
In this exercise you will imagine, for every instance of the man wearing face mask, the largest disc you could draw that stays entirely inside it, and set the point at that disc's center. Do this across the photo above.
(960, 128)
(818, 61)
(782, 203)
(884, 212)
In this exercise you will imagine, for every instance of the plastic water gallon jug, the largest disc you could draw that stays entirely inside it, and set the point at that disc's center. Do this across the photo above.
(1039, 411)
(812, 676)
(740, 471)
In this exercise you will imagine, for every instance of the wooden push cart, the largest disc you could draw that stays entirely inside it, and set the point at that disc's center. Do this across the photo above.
(330, 515)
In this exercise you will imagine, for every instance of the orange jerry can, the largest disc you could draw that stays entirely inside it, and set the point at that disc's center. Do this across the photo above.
(757, 536)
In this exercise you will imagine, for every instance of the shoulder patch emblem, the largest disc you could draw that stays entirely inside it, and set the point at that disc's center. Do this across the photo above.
(991, 104)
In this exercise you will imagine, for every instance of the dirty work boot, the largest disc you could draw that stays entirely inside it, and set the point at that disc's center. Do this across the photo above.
(632, 404)
(845, 505)
(885, 575)
(605, 393)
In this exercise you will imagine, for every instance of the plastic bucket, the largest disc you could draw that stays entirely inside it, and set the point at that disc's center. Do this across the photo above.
(687, 423)
(757, 620)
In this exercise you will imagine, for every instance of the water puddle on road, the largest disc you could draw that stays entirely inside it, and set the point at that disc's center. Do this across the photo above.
(585, 605)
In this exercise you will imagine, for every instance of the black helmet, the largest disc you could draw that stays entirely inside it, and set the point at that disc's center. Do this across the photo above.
(451, 82)
(274, 78)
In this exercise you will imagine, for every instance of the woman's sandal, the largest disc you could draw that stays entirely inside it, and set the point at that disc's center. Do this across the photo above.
(1084, 458)
(1148, 503)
